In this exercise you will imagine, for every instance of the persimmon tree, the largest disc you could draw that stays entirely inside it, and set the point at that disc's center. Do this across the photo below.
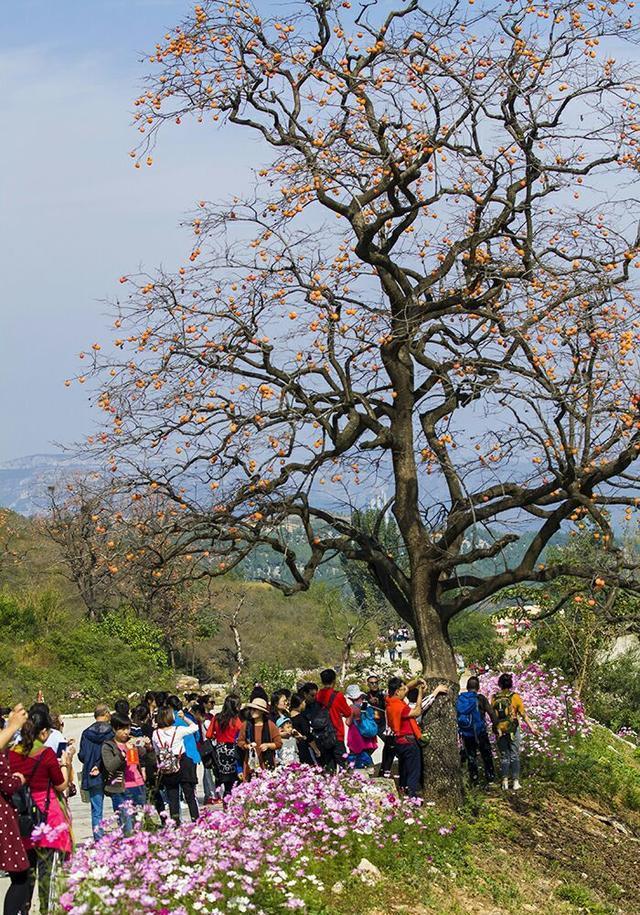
(160, 579)
(430, 288)
(80, 522)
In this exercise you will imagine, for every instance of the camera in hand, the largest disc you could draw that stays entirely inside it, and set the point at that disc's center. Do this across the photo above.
(4, 711)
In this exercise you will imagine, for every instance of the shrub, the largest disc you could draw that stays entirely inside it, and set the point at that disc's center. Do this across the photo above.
(474, 636)
(142, 636)
(600, 767)
(270, 676)
(75, 662)
(614, 698)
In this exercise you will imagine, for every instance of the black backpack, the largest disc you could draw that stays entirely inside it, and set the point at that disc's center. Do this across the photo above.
(28, 812)
(323, 730)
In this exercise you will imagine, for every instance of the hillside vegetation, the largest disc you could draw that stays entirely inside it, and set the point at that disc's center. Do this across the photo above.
(568, 843)
(47, 641)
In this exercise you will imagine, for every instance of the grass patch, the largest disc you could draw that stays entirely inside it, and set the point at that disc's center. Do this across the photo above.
(603, 767)
(583, 899)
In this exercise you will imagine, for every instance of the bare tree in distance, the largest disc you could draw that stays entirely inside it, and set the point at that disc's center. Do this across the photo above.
(80, 522)
(349, 620)
(431, 290)
(234, 621)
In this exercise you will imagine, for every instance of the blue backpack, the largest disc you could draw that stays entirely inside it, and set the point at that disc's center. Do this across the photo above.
(470, 721)
(367, 724)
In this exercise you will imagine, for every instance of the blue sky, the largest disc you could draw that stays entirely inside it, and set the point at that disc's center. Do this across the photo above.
(75, 213)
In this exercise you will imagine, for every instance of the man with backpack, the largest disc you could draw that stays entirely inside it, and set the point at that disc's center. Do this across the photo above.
(472, 708)
(509, 710)
(333, 702)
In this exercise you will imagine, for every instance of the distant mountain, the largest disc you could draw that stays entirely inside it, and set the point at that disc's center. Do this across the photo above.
(24, 481)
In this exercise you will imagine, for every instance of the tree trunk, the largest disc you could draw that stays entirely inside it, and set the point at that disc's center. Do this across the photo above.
(440, 754)
(238, 655)
(441, 757)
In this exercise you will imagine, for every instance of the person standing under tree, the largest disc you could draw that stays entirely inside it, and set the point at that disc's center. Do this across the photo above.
(376, 698)
(402, 720)
(44, 773)
(259, 739)
(90, 755)
(509, 710)
(308, 751)
(471, 709)
(169, 747)
(223, 730)
(121, 763)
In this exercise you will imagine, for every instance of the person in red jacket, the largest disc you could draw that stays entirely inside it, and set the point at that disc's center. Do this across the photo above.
(224, 729)
(339, 709)
(402, 719)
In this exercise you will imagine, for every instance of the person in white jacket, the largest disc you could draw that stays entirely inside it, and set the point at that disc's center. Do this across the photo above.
(168, 744)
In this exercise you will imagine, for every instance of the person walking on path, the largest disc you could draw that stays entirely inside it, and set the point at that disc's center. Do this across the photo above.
(509, 710)
(124, 782)
(168, 744)
(391, 643)
(338, 708)
(223, 730)
(90, 755)
(13, 858)
(48, 779)
(472, 709)
(259, 738)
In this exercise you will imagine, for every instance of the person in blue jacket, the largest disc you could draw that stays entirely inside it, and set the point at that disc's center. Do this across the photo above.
(90, 755)
(472, 709)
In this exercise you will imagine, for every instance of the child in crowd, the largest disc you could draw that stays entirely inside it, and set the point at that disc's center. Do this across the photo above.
(288, 752)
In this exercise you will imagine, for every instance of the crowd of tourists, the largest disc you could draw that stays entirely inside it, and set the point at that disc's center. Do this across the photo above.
(153, 753)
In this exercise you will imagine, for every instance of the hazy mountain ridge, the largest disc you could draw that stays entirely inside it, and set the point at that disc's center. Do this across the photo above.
(24, 481)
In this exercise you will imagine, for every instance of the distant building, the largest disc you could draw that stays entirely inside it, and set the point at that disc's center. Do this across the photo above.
(517, 621)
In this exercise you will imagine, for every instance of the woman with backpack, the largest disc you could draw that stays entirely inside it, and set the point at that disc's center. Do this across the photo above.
(13, 858)
(173, 775)
(47, 780)
(362, 729)
(509, 711)
(223, 730)
(259, 738)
